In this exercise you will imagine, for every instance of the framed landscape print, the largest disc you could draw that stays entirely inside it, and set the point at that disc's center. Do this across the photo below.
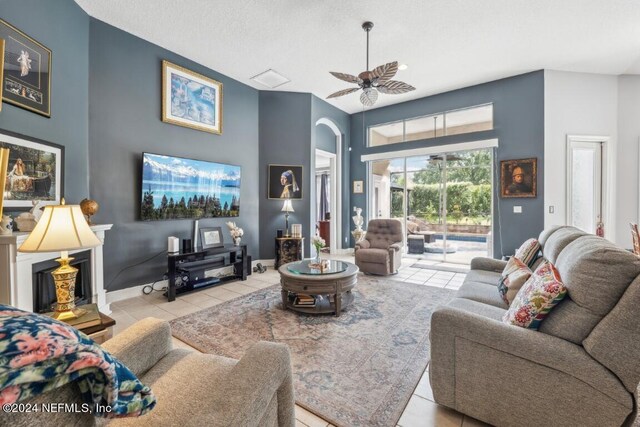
(26, 80)
(518, 178)
(285, 182)
(35, 171)
(190, 99)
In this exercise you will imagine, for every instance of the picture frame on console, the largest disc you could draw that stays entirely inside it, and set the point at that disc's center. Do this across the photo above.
(36, 171)
(211, 237)
(26, 78)
(191, 99)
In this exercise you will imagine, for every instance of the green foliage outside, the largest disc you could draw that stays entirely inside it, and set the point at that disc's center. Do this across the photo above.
(468, 191)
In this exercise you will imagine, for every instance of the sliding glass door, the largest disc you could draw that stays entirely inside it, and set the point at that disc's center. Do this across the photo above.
(446, 198)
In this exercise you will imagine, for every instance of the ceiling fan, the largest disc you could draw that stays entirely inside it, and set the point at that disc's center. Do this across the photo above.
(372, 82)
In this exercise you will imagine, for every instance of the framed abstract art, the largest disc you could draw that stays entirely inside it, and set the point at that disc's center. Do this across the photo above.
(190, 99)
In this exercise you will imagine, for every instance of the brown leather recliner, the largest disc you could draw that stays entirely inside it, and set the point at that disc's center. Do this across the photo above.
(381, 250)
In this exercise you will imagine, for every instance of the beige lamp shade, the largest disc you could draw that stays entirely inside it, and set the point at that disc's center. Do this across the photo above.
(61, 228)
(287, 207)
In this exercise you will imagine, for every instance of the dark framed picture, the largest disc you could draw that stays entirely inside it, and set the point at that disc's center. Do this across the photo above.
(211, 237)
(26, 81)
(285, 182)
(1, 69)
(518, 178)
(190, 99)
(35, 171)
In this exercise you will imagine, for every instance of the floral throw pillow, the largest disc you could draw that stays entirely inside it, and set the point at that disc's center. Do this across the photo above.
(543, 291)
(528, 251)
(517, 273)
(39, 354)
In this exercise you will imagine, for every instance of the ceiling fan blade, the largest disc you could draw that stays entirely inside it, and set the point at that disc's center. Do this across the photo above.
(343, 92)
(369, 97)
(385, 72)
(394, 87)
(346, 77)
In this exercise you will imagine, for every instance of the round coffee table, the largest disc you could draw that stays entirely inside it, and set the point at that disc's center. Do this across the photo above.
(330, 286)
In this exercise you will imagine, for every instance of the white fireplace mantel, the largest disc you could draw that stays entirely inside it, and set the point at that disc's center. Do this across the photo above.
(16, 273)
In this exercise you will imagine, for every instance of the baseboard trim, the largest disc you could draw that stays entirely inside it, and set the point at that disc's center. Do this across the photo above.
(136, 291)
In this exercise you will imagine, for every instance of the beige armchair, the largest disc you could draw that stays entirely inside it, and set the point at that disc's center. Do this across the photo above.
(380, 252)
(192, 388)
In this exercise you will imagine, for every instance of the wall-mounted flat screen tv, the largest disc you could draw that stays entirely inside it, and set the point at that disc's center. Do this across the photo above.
(179, 188)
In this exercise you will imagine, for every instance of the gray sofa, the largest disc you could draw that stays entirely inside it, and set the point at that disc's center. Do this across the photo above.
(192, 389)
(380, 252)
(582, 368)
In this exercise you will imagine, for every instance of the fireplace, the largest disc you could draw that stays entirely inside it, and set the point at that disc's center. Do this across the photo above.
(44, 289)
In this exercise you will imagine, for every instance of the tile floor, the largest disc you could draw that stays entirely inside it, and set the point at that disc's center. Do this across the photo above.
(421, 409)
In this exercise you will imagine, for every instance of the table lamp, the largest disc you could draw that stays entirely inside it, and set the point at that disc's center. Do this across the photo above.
(286, 208)
(62, 228)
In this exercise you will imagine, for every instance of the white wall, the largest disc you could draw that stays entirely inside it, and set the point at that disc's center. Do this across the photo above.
(577, 104)
(627, 171)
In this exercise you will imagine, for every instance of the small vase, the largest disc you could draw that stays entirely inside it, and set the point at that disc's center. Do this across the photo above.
(318, 259)
(236, 241)
(6, 225)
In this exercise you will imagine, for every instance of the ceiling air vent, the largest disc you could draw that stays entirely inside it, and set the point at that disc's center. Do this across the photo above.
(271, 79)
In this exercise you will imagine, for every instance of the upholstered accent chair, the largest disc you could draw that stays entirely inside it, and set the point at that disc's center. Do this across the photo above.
(380, 252)
(192, 389)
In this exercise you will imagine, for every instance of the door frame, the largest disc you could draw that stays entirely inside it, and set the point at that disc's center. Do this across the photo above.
(336, 188)
(333, 199)
(608, 180)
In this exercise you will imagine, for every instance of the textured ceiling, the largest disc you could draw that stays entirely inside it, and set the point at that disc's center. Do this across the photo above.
(447, 44)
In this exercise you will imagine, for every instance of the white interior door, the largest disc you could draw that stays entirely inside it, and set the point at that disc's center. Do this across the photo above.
(584, 182)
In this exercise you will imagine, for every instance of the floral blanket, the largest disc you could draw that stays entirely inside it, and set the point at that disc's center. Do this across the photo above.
(38, 354)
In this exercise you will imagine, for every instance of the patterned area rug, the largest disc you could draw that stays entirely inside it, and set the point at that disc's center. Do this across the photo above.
(358, 369)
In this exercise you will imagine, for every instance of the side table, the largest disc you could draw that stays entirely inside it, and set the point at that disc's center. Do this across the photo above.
(102, 332)
(288, 249)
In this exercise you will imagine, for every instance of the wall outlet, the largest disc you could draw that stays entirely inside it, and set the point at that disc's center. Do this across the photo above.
(517, 209)
(552, 209)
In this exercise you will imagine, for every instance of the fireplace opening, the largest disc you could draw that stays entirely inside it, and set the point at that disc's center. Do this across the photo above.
(44, 289)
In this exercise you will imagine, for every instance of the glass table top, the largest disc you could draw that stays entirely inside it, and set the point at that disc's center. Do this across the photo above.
(311, 267)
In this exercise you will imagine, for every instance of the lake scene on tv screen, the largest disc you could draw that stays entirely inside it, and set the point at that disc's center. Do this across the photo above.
(178, 188)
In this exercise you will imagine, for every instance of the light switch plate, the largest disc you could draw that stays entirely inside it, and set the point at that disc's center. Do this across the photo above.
(552, 209)
(517, 209)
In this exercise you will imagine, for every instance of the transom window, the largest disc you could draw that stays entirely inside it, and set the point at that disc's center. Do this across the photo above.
(454, 122)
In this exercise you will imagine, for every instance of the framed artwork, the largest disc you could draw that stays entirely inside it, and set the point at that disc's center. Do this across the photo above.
(285, 182)
(190, 99)
(35, 171)
(1, 69)
(358, 187)
(26, 81)
(211, 237)
(518, 178)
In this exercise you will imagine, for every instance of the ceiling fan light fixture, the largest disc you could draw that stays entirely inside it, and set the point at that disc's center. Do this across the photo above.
(402, 67)
(378, 79)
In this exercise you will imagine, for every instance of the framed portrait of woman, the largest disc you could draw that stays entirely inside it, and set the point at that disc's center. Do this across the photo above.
(285, 182)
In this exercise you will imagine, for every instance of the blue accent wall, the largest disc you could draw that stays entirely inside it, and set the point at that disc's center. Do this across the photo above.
(322, 138)
(285, 139)
(63, 27)
(125, 98)
(518, 105)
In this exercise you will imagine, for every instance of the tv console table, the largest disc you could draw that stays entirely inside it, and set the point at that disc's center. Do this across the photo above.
(186, 270)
